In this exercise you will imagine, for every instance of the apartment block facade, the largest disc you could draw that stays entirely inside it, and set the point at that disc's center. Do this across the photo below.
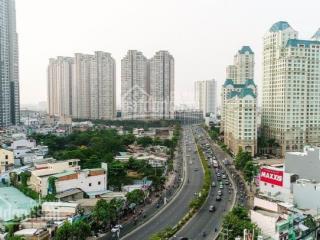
(147, 86)
(291, 86)
(82, 87)
(9, 67)
(239, 104)
(206, 96)
(134, 85)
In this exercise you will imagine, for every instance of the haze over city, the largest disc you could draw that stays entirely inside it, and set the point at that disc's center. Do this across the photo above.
(203, 35)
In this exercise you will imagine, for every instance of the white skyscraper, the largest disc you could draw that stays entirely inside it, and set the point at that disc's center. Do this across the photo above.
(291, 86)
(239, 104)
(162, 86)
(134, 86)
(206, 96)
(9, 67)
(83, 87)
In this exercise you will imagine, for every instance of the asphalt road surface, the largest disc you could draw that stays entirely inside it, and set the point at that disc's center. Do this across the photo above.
(179, 206)
(205, 221)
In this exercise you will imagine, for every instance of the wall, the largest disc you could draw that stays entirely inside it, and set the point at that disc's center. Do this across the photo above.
(6, 158)
(306, 165)
(306, 195)
(281, 193)
(265, 223)
(83, 183)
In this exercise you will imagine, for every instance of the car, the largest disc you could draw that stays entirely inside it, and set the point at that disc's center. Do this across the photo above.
(219, 193)
(213, 184)
(196, 169)
(226, 182)
(221, 187)
(224, 176)
(212, 208)
(218, 198)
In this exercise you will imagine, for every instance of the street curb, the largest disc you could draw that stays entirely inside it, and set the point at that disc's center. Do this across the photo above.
(178, 191)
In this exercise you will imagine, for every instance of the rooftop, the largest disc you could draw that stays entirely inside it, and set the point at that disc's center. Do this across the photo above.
(298, 43)
(279, 26)
(316, 36)
(14, 203)
(245, 49)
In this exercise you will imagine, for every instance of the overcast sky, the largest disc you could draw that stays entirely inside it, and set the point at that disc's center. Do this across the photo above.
(202, 35)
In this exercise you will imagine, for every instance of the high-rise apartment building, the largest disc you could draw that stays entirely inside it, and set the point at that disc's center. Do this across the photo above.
(239, 104)
(60, 86)
(206, 96)
(9, 67)
(240, 116)
(291, 86)
(243, 66)
(134, 85)
(147, 86)
(162, 86)
(83, 87)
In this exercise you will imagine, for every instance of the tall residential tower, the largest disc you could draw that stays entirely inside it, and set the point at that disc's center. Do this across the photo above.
(206, 96)
(9, 67)
(147, 86)
(82, 87)
(291, 86)
(239, 104)
(162, 86)
(134, 85)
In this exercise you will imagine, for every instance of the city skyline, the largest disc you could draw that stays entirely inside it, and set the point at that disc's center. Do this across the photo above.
(195, 28)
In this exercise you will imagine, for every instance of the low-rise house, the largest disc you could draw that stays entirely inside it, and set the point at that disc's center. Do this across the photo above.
(59, 210)
(88, 180)
(39, 177)
(22, 143)
(33, 234)
(6, 159)
(277, 220)
(72, 194)
(154, 160)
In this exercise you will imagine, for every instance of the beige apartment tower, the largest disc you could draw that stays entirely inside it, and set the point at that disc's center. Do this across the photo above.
(291, 87)
(83, 87)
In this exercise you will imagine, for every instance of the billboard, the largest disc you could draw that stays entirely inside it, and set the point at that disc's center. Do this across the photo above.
(271, 176)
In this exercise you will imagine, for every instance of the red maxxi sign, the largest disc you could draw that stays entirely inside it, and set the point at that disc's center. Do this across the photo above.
(274, 177)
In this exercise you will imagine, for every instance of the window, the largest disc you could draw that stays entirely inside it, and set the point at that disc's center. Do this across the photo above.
(90, 184)
(99, 183)
(7, 156)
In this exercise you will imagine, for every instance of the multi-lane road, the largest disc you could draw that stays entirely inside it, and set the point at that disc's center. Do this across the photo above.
(171, 214)
(206, 224)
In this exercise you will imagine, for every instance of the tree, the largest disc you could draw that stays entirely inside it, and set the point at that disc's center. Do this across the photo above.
(116, 205)
(64, 232)
(145, 141)
(81, 230)
(15, 238)
(24, 177)
(101, 213)
(136, 196)
(249, 171)
(242, 158)
(52, 185)
(236, 221)
(76, 231)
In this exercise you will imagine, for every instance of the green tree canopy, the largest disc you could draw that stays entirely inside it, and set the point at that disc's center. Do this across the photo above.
(136, 196)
